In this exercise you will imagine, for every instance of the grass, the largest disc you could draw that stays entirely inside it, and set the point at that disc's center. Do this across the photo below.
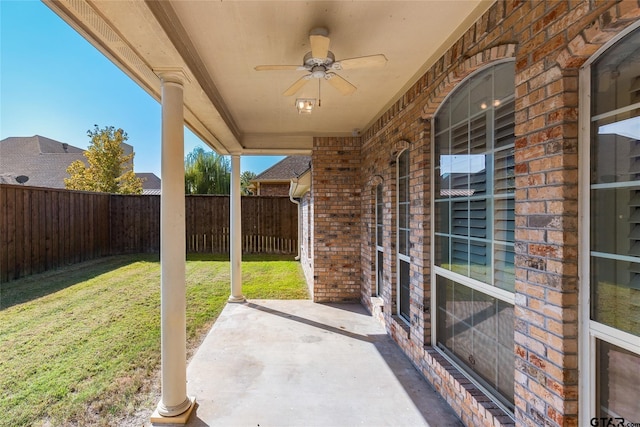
(81, 346)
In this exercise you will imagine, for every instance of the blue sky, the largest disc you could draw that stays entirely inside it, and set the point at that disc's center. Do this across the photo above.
(55, 84)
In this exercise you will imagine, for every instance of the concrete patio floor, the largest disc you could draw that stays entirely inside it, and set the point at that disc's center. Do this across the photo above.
(268, 363)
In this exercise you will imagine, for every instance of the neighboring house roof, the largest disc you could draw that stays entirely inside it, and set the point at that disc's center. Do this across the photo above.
(285, 169)
(150, 180)
(151, 184)
(44, 161)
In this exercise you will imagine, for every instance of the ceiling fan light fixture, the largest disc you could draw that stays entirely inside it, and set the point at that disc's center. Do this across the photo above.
(318, 63)
(318, 72)
(305, 105)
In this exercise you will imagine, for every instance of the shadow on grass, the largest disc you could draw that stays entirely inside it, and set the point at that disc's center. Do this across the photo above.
(39, 285)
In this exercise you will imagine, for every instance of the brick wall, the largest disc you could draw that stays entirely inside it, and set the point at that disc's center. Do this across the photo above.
(546, 332)
(336, 188)
(548, 40)
(273, 189)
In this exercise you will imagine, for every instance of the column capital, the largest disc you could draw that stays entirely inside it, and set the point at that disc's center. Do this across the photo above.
(175, 75)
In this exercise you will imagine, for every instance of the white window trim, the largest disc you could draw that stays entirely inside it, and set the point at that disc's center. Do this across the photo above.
(491, 290)
(477, 285)
(433, 306)
(401, 257)
(590, 330)
(407, 259)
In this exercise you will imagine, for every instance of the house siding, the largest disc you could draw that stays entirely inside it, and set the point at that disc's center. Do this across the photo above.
(548, 41)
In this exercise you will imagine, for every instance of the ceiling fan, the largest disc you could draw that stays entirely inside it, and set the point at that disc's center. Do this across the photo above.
(320, 63)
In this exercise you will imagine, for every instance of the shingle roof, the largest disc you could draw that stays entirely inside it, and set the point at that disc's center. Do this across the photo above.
(285, 169)
(43, 160)
(150, 181)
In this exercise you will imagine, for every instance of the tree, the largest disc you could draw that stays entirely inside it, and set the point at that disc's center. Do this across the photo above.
(206, 173)
(245, 182)
(110, 170)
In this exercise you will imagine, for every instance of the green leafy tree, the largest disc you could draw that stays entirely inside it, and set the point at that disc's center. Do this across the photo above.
(206, 173)
(110, 170)
(245, 182)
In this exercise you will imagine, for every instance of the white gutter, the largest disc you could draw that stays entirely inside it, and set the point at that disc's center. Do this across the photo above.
(292, 190)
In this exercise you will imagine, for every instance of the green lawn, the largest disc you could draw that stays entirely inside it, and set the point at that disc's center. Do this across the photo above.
(81, 346)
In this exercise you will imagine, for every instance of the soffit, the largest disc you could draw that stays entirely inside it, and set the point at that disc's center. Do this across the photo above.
(234, 108)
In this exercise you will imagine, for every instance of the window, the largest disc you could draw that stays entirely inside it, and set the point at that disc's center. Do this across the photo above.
(403, 236)
(612, 179)
(379, 248)
(309, 226)
(474, 223)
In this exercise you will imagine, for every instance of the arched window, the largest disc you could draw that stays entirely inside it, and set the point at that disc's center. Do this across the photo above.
(403, 233)
(379, 249)
(474, 229)
(611, 255)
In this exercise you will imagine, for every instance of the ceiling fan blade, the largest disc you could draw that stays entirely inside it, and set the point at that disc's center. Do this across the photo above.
(343, 86)
(360, 62)
(297, 85)
(319, 45)
(278, 67)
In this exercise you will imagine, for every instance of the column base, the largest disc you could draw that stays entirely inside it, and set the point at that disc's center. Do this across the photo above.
(181, 418)
(241, 298)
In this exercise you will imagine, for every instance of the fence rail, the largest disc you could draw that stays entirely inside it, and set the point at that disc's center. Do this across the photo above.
(43, 229)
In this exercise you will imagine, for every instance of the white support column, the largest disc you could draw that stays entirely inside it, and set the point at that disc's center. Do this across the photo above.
(236, 232)
(175, 406)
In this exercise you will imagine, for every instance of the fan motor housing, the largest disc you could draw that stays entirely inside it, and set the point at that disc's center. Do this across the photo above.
(310, 61)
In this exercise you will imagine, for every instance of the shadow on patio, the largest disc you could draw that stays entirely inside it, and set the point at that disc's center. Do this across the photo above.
(297, 363)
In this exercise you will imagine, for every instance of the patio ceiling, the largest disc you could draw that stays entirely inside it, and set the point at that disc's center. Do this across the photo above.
(236, 109)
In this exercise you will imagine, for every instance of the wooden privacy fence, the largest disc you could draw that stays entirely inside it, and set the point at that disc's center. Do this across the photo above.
(134, 222)
(43, 229)
(269, 224)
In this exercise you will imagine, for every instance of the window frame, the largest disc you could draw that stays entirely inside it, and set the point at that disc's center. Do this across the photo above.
(490, 290)
(400, 257)
(590, 330)
(378, 245)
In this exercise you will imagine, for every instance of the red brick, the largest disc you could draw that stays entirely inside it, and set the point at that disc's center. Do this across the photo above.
(551, 39)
